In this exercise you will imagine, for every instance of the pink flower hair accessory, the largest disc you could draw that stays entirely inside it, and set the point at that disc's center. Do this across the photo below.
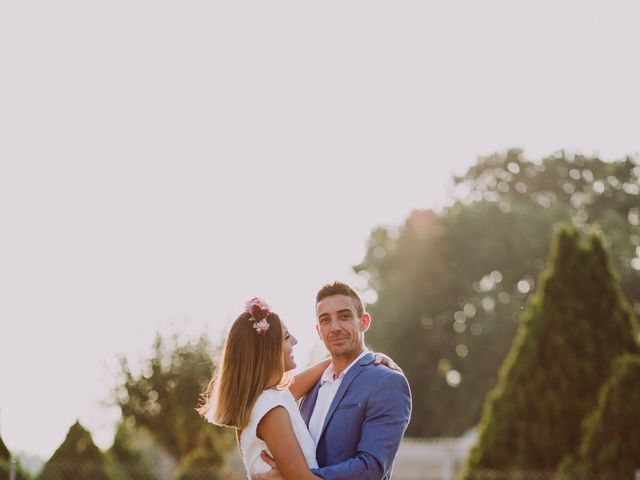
(259, 310)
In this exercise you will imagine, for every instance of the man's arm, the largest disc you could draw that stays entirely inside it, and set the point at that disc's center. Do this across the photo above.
(386, 419)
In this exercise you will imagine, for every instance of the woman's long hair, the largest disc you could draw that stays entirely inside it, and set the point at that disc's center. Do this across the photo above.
(250, 363)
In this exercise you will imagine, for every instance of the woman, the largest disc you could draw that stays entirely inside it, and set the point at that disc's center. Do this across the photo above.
(253, 392)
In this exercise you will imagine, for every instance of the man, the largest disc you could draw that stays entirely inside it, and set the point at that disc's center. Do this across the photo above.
(357, 413)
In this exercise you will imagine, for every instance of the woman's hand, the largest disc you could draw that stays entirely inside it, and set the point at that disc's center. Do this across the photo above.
(381, 358)
(273, 474)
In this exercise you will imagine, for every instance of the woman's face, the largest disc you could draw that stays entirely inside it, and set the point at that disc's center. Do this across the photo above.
(288, 341)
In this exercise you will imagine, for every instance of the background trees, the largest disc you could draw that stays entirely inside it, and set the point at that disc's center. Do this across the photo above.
(4, 451)
(5, 459)
(611, 442)
(451, 285)
(135, 454)
(574, 327)
(76, 458)
(160, 401)
(160, 435)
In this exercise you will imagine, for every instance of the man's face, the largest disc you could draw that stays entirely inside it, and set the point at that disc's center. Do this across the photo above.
(340, 327)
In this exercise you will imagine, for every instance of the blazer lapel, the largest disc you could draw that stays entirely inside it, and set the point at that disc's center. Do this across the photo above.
(344, 386)
(308, 403)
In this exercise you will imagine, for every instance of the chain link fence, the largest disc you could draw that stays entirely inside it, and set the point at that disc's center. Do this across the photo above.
(521, 474)
(109, 471)
(131, 472)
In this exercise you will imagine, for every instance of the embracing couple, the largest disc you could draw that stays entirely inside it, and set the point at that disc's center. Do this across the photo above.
(354, 411)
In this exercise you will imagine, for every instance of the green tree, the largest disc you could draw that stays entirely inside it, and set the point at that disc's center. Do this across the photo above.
(590, 190)
(132, 454)
(77, 458)
(448, 303)
(5, 464)
(451, 285)
(575, 325)
(204, 463)
(161, 399)
(610, 445)
(4, 451)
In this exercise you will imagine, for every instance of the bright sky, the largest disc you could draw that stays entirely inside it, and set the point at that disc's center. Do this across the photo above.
(161, 162)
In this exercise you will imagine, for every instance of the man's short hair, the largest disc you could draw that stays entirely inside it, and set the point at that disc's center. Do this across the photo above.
(339, 288)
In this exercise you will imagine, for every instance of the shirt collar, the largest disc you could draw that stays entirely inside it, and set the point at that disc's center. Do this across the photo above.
(327, 376)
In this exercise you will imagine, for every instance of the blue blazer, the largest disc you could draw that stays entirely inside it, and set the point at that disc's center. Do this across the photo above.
(364, 424)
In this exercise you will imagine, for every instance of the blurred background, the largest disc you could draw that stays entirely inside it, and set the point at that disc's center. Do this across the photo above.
(161, 163)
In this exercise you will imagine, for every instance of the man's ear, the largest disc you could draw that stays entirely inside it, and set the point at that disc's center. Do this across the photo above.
(318, 330)
(365, 322)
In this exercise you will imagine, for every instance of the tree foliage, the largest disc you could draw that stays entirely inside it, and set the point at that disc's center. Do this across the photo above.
(161, 399)
(5, 464)
(574, 327)
(204, 463)
(451, 285)
(4, 451)
(133, 454)
(591, 191)
(5, 468)
(77, 458)
(610, 446)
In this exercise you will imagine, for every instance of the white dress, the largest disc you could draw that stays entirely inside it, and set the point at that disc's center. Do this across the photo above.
(251, 445)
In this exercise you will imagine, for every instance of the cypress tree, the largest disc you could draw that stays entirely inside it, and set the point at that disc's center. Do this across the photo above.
(5, 457)
(610, 446)
(77, 458)
(574, 326)
(4, 451)
(5, 464)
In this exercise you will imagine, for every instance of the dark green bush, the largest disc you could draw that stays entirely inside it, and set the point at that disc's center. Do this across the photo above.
(574, 326)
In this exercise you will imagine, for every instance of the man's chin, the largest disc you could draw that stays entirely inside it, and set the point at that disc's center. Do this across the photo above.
(341, 352)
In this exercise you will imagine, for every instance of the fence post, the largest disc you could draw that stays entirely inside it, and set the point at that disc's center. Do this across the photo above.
(12, 469)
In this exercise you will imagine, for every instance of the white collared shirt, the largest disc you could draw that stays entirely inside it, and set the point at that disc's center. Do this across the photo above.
(328, 388)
